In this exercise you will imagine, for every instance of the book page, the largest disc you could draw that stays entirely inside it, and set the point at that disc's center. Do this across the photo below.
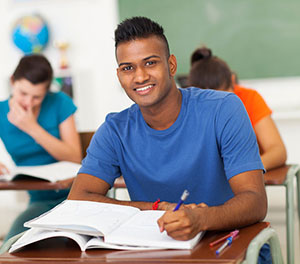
(98, 242)
(142, 229)
(35, 234)
(84, 217)
(52, 172)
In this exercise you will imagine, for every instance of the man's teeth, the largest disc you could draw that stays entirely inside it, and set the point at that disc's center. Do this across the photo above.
(144, 88)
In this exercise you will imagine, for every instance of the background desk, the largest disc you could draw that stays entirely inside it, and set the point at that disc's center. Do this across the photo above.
(66, 251)
(30, 184)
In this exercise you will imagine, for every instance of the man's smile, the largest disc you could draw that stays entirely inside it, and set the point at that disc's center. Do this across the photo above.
(145, 89)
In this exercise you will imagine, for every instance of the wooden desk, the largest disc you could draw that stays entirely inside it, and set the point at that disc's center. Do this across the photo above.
(277, 176)
(66, 251)
(30, 184)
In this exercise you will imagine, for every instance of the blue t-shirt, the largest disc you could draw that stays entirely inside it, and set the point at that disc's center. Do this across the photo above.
(211, 141)
(55, 108)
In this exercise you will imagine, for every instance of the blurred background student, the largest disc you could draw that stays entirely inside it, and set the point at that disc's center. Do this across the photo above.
(210, 72)
(38, 128)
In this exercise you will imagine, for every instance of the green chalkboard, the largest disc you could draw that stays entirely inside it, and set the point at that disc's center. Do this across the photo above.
(257, 38)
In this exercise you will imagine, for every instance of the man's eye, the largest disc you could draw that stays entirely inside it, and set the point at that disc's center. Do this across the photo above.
(127, 68)
(150, 62)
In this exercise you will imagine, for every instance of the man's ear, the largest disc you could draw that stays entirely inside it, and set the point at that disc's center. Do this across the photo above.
(118, 71)
(172, 65)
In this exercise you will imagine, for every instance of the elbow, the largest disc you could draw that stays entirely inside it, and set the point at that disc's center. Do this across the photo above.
(263, 208)
(284, 155)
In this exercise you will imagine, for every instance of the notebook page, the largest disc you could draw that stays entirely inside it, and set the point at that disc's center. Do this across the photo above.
(84, 217)
(143, 230)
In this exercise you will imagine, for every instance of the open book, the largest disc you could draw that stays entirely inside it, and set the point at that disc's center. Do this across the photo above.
(52, 172)
(117, 224)
(84, 242)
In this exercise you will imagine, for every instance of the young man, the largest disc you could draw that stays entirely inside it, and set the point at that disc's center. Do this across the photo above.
(171, 140)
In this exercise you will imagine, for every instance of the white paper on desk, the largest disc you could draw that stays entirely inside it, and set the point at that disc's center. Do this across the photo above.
(142, 229)
(84, 217)
(52, 172)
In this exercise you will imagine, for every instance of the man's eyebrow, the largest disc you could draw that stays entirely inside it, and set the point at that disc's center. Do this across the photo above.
(147, 58)
(124, 63)
(150, 57)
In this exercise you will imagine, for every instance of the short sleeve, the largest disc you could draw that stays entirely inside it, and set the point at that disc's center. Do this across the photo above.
(260, 108)
(65, 106)
(237, 141)
(101, 159)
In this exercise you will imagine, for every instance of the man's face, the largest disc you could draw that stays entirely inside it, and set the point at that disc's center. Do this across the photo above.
(144, 71)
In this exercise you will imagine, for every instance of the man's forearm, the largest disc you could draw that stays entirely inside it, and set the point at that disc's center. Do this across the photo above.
(242, 210)
(104, 199)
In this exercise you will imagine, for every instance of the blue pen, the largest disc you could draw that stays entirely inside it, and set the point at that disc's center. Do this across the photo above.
(182, 199)
(227, 243)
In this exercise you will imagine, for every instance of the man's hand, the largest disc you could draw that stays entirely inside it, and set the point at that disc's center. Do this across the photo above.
(67, 183)
(183, 224)
(24, 119)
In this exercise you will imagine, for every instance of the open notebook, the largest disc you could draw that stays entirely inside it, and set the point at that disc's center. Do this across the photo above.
(52, 172)
(116, 224)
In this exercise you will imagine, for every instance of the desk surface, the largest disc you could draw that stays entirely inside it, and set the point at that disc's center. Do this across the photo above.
(58, 250)
(276, 176)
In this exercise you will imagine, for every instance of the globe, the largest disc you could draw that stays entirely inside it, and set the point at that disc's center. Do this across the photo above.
(30, 34)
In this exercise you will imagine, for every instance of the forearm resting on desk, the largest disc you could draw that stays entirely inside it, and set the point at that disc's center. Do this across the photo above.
(248, 206)
(91, 188)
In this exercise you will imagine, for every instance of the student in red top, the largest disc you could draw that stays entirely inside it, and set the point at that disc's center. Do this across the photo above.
(210, 72)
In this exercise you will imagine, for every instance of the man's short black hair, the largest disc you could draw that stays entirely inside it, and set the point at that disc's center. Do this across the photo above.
(139, 27)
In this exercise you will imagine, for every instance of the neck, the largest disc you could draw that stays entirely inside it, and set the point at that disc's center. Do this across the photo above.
(164, 115)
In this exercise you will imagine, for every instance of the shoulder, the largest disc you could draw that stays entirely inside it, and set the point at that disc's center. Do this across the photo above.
(209, 97)
(124, 116)
(58, 100)
(246, 93)
(4, 108)
(3, 104)
(57, 97)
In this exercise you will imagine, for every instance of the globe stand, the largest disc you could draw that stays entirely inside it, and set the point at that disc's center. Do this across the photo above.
(63, 77)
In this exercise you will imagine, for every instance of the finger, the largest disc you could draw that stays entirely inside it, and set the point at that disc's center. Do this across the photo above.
(191, 206)
(202, 205)
(160, 223)
(167, 218)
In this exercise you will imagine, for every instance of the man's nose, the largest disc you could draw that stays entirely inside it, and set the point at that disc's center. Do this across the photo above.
(141, 75)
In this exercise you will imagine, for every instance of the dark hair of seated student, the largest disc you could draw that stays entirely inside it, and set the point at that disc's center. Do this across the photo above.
(209, 72)
(35, 68)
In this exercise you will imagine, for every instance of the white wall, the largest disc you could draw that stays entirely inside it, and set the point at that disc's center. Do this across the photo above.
(88, 25)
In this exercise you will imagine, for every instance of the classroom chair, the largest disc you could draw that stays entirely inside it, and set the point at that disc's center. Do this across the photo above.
(268, 235)
(85, 138)
(285, 176)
